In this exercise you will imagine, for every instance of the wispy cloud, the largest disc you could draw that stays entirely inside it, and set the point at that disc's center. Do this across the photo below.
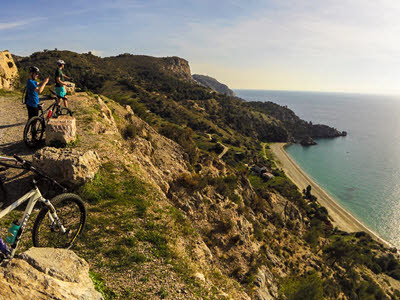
(12, 25)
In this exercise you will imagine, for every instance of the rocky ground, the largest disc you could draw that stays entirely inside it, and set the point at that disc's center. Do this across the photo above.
(46, 273)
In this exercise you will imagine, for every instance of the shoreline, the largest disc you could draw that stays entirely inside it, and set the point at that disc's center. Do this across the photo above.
(340, 217)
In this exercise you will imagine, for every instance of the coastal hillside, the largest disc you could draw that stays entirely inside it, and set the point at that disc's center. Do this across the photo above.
(190, 203)
(213, 84)
(163, 88)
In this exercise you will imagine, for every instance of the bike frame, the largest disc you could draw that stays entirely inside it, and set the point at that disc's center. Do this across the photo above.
(33, 196)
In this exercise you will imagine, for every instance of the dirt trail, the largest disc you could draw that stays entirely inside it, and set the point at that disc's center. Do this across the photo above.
(13, 117)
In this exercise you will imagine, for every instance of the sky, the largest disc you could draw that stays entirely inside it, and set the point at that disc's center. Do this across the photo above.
(313, 45)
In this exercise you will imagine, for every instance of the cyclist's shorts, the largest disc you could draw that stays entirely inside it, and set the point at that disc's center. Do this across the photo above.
(60, 91)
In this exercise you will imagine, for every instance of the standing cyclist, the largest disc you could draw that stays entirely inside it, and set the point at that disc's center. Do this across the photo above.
(60, 83)
(32, 92)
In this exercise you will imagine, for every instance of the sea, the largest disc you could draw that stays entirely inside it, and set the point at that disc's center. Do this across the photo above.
(360, 171)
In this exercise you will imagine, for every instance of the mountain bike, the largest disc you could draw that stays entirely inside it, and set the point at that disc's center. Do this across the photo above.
(35, 127)
(59, 222)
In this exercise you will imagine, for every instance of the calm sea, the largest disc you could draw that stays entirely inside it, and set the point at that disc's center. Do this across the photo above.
(361, 171)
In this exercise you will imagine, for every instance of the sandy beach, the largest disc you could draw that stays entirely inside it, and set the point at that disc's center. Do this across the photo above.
(341, 218)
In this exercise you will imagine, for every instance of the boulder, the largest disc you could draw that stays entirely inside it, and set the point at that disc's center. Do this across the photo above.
(47, 273)
(61, 130)
(307, 141)
(68, 166)
(8, 71)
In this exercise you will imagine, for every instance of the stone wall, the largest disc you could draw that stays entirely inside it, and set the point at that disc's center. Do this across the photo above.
(8, 71)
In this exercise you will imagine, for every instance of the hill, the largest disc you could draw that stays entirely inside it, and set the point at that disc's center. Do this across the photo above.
(164, 87)
(181, 209)
(213, 84)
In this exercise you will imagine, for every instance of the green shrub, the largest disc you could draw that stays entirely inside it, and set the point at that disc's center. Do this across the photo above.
(129, 132)
(307, 287)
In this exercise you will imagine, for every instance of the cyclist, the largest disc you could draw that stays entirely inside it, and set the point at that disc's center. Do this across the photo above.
(60, 83)
(33, 89)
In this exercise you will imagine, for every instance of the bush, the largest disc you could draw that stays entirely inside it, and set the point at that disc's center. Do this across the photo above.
(129, 132)
(308, 287)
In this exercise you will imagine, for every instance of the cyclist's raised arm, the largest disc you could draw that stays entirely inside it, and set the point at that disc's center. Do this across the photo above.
(40, 88)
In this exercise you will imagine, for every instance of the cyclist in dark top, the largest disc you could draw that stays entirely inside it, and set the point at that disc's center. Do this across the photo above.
(59, 79)
(32, 92)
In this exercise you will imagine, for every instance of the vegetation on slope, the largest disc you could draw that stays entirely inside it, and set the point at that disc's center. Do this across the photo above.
(244, 233)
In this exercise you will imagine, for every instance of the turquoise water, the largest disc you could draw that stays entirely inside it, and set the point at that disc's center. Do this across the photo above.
(361, 171)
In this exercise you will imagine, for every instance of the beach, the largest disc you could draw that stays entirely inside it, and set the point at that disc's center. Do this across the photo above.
(340, 217)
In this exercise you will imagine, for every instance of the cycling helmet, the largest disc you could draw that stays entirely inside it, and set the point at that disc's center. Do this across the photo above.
(33, 69)
(60, 62)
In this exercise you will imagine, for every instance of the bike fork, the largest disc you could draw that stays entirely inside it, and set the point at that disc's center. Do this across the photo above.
(53, 216)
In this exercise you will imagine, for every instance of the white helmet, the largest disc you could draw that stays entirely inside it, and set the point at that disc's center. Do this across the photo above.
(60, 62)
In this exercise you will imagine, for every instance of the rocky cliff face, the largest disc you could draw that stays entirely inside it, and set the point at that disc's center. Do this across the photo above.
(45, 273)
(213, 84)
(8, 71)
(179, 66)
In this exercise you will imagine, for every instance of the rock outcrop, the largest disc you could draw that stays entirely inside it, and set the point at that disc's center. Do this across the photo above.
(61, 130)
(46, 273)
(213, 84)
(8, 71)
(68, 166)
(178, 66)
(308, 141)
(70, 88)
(162, 158)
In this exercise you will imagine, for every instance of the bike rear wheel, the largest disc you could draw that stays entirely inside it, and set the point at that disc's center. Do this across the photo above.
(34, 132)
(71, 212)
(65, 111)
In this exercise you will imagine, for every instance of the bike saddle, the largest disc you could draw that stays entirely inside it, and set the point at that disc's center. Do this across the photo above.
(40, 105)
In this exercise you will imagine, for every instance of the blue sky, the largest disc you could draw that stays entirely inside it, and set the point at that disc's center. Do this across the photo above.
(330, 45)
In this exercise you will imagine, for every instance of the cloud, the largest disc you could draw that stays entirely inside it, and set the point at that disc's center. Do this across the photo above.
(334, 44)
(11, 25)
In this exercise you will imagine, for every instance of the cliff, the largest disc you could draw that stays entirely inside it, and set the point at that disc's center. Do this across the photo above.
(213, 84)
(8, 71)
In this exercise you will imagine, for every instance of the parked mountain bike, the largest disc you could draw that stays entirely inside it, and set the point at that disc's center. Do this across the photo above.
(59, 222)
(35, 127)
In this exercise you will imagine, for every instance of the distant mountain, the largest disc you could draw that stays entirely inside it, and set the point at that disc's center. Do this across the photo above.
(213, 84)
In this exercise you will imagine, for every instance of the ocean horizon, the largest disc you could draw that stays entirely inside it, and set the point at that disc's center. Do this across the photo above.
(360, 171)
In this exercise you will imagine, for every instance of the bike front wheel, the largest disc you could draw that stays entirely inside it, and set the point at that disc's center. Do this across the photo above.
(34, 132)
(61, 227)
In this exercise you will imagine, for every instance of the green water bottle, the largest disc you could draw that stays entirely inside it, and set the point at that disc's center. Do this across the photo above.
(12, 232)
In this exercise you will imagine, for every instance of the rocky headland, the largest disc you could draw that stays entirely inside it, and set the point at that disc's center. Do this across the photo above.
(213, 84)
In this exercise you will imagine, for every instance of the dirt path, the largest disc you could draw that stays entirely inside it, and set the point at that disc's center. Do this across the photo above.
(13, 117)
(343, 219)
